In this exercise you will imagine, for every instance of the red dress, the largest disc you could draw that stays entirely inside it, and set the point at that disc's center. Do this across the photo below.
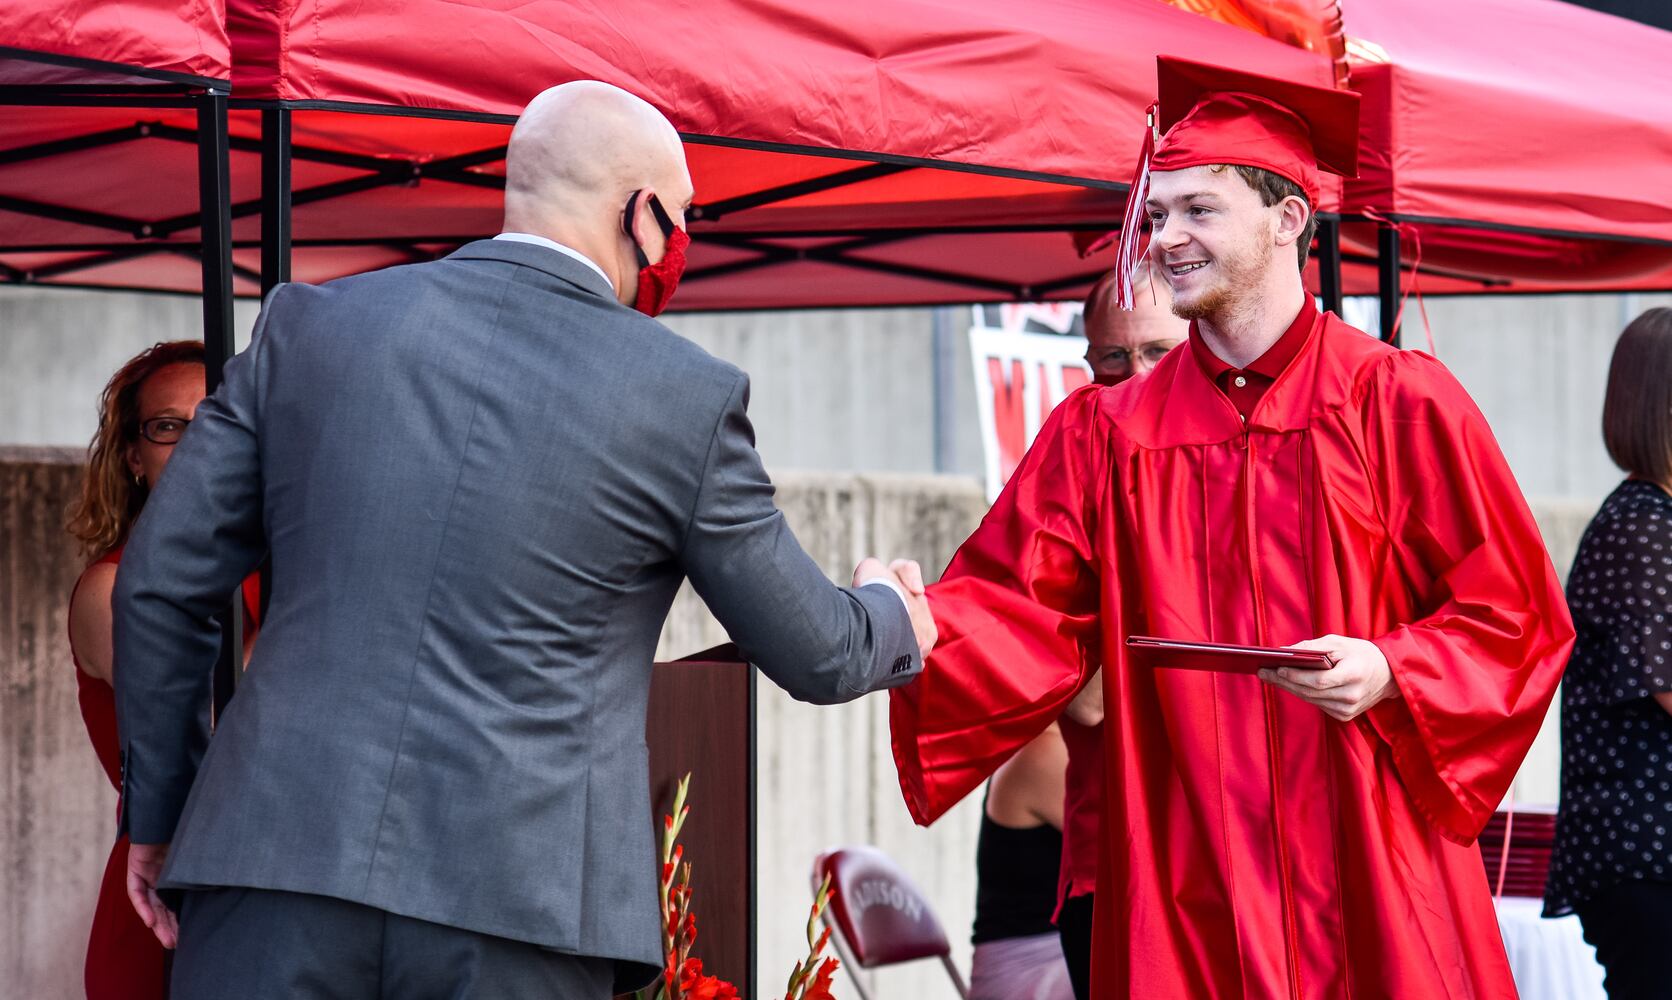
(1254, 848)
(124, 960)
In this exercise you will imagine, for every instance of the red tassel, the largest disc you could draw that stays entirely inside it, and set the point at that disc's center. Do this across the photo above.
(1132, 224)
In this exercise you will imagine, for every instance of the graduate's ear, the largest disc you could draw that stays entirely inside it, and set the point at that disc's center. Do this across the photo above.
(1292, 215)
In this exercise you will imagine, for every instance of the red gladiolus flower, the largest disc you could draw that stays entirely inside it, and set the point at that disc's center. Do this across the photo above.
(820, 990)
(697, 986)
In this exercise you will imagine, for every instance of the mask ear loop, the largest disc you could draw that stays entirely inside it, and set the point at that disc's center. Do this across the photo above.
(663, 219)
(627, 227)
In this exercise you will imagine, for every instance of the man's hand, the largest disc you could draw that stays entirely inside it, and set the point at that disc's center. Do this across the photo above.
(1360, 678)
(145, 866)
(908, 576)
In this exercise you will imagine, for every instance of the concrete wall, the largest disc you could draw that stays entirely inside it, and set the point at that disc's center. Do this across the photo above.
(891, 390)
(1538, 367)
(58, 347)
(853, 389)
(57, 809)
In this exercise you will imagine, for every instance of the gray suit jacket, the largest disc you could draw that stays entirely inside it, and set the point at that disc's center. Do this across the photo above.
(481, 481)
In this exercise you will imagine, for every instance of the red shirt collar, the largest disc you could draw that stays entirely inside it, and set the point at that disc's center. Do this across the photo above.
(1277, 356)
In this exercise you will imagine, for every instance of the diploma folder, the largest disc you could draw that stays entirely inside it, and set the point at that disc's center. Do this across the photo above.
(1178, 654)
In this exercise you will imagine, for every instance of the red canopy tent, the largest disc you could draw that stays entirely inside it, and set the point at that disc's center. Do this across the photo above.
(841, 159)
(1559, 122)
(66, 175)
(1525, 142)
(885, 153)
(99, 65)
(151, 44)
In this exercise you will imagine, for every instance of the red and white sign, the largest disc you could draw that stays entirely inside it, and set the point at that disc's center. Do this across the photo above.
(1027, 358)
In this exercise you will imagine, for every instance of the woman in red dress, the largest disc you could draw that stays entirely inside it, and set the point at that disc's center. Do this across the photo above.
(142, 413)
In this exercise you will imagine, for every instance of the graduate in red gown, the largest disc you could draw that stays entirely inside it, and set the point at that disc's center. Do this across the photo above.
(1283, 480)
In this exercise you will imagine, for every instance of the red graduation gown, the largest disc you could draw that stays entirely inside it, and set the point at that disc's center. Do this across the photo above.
(1253, 846)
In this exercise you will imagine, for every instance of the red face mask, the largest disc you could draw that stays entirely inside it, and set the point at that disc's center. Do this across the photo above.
(657, 281)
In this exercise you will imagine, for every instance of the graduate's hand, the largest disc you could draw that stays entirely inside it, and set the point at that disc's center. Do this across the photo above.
(145, 867)
(907, 577)
(1360, 678)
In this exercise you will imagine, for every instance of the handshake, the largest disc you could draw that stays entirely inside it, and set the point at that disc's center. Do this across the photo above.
(907, 576)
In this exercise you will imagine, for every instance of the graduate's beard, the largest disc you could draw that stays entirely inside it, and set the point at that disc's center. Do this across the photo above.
(1241, 275)
(1204, 305)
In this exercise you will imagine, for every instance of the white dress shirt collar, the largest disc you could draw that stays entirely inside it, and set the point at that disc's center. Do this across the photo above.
(541, 241)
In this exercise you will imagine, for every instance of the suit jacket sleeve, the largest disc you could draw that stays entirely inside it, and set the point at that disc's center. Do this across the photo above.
(821, 643)
(1489, 633)
(1018, 616)
(199, 536)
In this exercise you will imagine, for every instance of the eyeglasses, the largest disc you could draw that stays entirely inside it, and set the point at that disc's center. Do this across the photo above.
(163, 430)
(1121, 358)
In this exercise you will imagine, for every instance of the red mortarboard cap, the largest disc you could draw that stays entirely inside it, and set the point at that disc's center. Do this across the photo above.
(1209, 114)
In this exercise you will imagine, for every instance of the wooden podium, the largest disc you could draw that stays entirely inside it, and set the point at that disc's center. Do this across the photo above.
(702, 721)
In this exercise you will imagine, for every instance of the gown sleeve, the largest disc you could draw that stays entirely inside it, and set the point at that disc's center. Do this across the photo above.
(1489, 630)
(1017, 612)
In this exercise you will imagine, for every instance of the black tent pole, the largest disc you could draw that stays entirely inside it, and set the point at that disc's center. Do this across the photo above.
(1329, 263)
(275, 198)
(1387, 280)
(275, 237)
(215, 206)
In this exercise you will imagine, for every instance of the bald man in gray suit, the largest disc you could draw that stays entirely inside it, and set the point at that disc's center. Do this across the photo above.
(481, 481)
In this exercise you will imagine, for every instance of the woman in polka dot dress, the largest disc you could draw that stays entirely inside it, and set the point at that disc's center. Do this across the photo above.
(1612, 862)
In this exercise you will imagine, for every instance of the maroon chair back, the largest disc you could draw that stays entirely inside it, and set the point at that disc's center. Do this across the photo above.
(877, 910)
(1526, 864)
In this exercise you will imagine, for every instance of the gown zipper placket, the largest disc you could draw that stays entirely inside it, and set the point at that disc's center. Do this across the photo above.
(1273, 743)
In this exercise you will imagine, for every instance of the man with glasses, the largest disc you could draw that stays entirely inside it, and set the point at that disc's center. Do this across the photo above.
(1122, 343)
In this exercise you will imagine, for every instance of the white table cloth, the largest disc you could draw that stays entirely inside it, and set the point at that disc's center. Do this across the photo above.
(1549, 958)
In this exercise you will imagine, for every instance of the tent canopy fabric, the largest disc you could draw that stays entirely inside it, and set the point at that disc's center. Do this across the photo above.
(1053, 89)
(880, 153)
(113, 43)
(1560, 123)
(1553, 139)
(854, 157)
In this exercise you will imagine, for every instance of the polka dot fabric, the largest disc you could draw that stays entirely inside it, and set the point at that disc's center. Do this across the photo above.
(1615, 819)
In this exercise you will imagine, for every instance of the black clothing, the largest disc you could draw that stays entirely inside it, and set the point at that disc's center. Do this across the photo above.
(1614, 824)
(1627, 924)
(1016, 880)
(1074, 927)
